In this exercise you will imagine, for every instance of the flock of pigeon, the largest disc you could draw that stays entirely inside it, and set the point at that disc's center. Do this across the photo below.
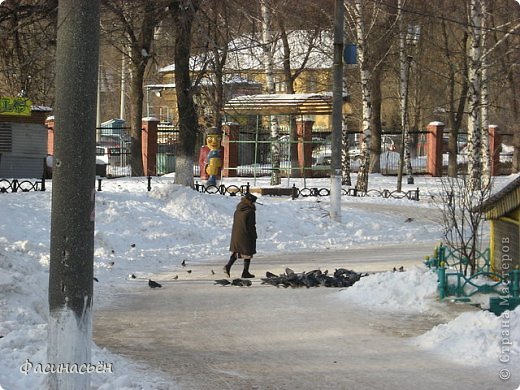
(341, 278)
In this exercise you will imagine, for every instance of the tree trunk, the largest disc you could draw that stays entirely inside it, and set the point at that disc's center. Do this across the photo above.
(136, 117)
(474, 73)
(267, 44)
(484, 104)
(362, 178)
(73, 193)
(289, 86)
(345, 158)
(184, 12)
(375, 144)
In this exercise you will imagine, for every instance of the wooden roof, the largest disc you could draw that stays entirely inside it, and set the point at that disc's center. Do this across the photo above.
(504, 201)
(281, 104)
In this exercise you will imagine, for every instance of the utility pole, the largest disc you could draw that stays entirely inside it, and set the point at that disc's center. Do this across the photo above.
(407, 41)
(73, 192)
(337, 113)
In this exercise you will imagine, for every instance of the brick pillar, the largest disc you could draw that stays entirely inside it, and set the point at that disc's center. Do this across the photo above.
(49, 122)
(231, 135)
(495, 145)
(149, 146)
(304, 132)
(434, 148)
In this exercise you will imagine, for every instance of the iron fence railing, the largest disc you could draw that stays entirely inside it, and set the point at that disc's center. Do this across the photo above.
(16, 185)
(255, 159)
(304, 192)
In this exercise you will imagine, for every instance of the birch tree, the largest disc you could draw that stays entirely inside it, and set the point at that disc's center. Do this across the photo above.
(404, 73)
(362, 178)
(484, 102)
(267, 46)
(345, 157)
(474, 74)
(478, 122)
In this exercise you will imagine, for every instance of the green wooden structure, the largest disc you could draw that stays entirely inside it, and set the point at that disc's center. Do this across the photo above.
(448, 263)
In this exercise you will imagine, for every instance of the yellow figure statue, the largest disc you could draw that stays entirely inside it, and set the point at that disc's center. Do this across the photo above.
(210, 157)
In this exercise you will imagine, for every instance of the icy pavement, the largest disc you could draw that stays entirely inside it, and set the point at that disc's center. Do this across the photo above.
(262, 337)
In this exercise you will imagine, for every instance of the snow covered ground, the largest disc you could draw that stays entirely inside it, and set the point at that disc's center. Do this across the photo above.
(145, 232)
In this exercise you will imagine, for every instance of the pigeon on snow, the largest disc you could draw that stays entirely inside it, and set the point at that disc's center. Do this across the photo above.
(153, 284)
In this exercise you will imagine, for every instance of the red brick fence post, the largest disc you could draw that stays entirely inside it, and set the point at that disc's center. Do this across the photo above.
(434, 148)
(149, 146)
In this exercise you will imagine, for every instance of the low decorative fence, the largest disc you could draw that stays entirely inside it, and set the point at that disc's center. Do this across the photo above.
(452, 282)
(296, 192)
(24, 185)
(453, 258)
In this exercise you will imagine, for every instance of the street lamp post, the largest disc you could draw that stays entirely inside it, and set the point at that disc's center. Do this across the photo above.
(337, 113)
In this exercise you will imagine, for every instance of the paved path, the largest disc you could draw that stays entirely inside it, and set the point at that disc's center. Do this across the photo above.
(262, 337)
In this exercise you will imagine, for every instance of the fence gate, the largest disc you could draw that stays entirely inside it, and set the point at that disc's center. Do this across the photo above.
(113, 151)
(167, 143)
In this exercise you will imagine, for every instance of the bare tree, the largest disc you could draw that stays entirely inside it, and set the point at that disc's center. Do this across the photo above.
(268, 49)
(183, 13)
(474, 77)
(457, 84)
(484, 100)
(28, 34)
(462, 218)
(372, 24)
(362, 178)
(132, 32)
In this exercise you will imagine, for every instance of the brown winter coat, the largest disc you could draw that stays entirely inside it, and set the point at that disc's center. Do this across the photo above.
(243, 233)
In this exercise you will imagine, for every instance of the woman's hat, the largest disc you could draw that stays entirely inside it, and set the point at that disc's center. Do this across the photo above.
(250, 197)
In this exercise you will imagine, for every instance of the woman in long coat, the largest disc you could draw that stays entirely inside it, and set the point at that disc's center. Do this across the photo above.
(243, 235)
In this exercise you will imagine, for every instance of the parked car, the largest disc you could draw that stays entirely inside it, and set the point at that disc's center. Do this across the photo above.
(101, 166)
(111, 155)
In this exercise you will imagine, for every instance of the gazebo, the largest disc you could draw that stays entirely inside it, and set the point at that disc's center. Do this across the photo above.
(299, 106)
(503, 211)
(283, 104)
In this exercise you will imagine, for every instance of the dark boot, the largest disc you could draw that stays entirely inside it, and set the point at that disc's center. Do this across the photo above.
(245, 272)
(227, 267)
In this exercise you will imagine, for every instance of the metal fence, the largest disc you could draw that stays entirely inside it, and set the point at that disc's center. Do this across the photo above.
(255, 153)
(16, 185)
(113, 151)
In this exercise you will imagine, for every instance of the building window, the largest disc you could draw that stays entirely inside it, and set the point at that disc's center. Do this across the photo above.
(6, 138)
(312, 83)
(279, 84)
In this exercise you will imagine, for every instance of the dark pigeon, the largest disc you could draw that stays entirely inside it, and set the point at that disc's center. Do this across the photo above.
(222, 282)
(241, 282)
(341, 278)
(153, 284)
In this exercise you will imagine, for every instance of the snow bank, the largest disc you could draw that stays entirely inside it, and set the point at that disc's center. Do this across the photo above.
(478, 339)
(411, 291)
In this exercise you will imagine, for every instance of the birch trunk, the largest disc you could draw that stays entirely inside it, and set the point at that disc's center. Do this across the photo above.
(403, 73)
(484, 103)
(474, 125)
(345, 158)
(267, 39)
(362, 178)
